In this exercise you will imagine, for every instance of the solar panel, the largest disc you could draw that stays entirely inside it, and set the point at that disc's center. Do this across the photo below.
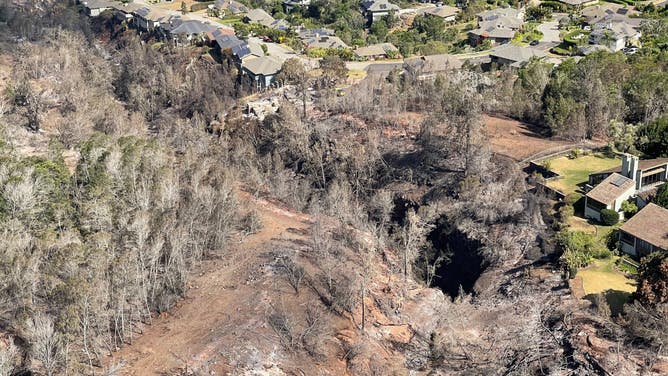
(618, 181)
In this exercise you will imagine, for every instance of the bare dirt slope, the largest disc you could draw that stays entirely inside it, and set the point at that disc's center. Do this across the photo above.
(222, 326)
(197, 334)
(517, 140)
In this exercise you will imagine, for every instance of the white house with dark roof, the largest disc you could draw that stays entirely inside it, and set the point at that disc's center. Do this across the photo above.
(614, 35)
(375, 9)
(609, 194)
(498, 26)
(645, 232)
(634, 179)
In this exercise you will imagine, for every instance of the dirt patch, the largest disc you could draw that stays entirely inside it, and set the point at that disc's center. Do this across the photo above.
(517, 140)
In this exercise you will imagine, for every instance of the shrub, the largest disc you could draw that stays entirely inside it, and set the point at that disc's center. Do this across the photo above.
(565, 212)
(629, 208)
(609, 217)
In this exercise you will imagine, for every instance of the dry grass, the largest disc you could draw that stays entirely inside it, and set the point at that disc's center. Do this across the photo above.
(515, 139)
(601, 277)
(576, 171)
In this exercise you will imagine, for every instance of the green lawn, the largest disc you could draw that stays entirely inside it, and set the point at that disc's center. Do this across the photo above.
(601, 277)
(576, 171)
(230, 20)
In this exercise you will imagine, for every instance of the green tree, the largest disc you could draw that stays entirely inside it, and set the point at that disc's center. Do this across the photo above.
(653, 138)
(432, 27)
(538, 13)
(661, 198)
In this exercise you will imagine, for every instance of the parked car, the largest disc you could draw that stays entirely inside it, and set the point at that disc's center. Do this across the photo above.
(534, 43)
(630, 50)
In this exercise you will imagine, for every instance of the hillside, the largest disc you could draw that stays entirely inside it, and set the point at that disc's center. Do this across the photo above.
(151, 223)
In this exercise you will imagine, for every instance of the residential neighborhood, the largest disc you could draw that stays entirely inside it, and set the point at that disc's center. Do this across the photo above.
(344, 188)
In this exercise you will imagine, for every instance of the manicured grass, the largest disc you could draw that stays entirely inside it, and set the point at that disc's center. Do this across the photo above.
(231, 20)
(576, 171)
(602, 277)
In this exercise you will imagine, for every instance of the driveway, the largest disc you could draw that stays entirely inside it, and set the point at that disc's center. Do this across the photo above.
(550, 31)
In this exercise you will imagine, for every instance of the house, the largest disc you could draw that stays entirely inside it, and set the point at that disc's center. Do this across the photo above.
(642, 176)
(614, 34)
(514, 56)
(94, 8)
(645, 232)
(447, 13)
(494, 14)
(609, 194)
(261, 71)
(498, 26)
(148, 19)
(377, 51)
(191, 31)
(236, 48)
(259, 16)
(289, 5)
(314, 33)
(428, 67)
(374, 10)
(609, 12)
(324, 41)
(647, 173)
(231, 7)
(124, 11)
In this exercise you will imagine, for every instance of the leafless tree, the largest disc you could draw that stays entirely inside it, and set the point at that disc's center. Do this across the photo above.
(47, 345)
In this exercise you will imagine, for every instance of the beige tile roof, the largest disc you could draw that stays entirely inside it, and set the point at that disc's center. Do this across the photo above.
(607, 191)
(650, 224)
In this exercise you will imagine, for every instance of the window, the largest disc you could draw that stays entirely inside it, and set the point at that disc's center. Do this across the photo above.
(595, 205)
(643, 248)
(626, 237)
(653, 178)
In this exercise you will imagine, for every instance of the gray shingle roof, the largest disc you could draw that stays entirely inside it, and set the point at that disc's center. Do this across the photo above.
(649, 224)
(611, 188)
(516, 53)
(193, 27)
(265, 65)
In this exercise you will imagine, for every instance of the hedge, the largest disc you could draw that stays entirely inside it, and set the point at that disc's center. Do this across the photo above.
(609, 217)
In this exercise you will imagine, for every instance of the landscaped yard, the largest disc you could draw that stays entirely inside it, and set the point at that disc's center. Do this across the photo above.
(602, 277)
(576, 171)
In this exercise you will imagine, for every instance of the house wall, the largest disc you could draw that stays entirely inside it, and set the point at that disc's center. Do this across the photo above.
(626, 247)
(94, 12)
(143, 24)
(591, 213)
(623, 197)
